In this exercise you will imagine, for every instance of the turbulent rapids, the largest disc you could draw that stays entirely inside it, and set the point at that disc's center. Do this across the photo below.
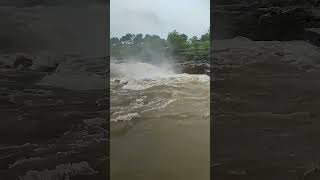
(138, 88)
(158, 116)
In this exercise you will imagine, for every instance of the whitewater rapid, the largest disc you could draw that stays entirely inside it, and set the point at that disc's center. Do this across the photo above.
(138, 87)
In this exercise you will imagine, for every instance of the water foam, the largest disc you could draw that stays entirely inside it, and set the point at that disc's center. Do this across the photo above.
(138, 88)
(141, 76)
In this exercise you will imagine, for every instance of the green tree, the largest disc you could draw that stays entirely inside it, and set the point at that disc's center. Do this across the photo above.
(115, 41)
(184, 37)
(153, 46)
(194, 39)
(138, 39)
(176, 40)
(206, 36)
(127, 39)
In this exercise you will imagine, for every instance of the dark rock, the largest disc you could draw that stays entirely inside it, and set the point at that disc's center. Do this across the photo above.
(22, 62)
(195, 68)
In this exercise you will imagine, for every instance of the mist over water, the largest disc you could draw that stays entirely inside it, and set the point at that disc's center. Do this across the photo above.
(140, 70)
(159, 122)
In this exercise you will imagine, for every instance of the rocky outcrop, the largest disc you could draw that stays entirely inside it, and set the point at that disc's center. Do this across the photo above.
(195, 68)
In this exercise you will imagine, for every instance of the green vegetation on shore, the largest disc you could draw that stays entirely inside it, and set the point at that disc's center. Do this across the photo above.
(151, 46)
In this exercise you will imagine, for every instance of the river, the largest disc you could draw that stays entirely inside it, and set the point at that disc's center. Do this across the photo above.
(159, 123)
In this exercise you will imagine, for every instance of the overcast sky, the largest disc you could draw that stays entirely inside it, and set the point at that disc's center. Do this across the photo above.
(159, 17)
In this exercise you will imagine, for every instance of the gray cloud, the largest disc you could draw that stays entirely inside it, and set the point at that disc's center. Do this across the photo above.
(191, 17)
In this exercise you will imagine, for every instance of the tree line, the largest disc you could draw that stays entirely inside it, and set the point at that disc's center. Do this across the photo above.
(150, 46)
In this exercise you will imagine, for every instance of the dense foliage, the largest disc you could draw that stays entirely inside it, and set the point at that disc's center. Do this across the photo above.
(151, 46)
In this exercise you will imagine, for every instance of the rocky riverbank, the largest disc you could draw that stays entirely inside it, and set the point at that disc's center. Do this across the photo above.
(194, 67)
